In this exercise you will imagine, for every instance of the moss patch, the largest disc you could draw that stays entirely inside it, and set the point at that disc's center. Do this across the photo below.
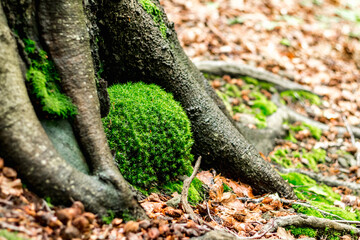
(318, 195)
(45, 83)
(156, 15)
(288, 159)
(301, 96)
(149, 133)
(259, 105)
(295, 128)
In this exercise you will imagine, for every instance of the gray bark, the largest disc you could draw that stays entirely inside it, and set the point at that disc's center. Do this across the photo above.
(134, 50)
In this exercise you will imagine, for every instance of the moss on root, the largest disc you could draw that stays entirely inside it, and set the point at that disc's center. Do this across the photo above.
(156, 15)
(45, 83)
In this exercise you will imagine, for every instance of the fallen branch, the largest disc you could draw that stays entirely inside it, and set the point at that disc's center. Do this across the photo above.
(290, 202)
(236, 69)
(332, 182)
(185, 191)
(310, 221)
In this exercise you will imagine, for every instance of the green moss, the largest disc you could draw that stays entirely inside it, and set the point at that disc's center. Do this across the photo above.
(109, 217)
(326, 233)
(294, 128)
(318, 195)
(301, 96)
(10, 236)
(283, 157)
(149, 133)
(227, 188)
(298, 231)
(156, 14)
(297, 179)
(45, 83)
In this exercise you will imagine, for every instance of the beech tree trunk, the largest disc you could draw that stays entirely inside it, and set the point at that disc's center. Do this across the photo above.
(134, 50)
(24, 143)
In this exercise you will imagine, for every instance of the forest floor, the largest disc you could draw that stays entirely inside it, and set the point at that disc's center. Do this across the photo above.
(315, 43)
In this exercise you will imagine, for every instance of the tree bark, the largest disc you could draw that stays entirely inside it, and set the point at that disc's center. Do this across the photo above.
(135, 50)
(25, 145)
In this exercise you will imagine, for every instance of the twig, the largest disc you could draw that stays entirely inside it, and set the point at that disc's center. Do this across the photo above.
(15, 228)
(348, 222)
(6, 202)
(353, 142)
(185, 191)
(313, 222)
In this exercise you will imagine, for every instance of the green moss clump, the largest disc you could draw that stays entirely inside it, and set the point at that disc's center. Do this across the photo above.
(10, 236)
(301, 96)
(326, 233)
(156, 14)
(45, 83)
(149, 133)
(298, 231)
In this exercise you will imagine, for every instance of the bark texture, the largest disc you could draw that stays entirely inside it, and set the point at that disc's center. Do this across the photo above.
(65, 32)
(25, 145)
(134, 49)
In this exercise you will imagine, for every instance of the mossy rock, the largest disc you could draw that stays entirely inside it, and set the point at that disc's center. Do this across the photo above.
(149, 134)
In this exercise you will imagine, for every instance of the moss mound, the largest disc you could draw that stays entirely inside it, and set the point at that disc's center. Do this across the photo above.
(149, 133)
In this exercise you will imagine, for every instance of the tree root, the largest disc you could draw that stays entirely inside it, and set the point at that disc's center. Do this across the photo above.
(290, 202)
(330, 181)
(235, 69)
(185, 191)
(310, 221)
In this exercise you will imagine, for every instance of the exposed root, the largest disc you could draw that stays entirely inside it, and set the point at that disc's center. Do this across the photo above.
(330, 181)
(290, 202)
(235, 69)
(310, 221)
(185, 191)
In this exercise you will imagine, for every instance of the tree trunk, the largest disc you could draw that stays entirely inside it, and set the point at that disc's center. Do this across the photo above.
(134, 49)
(25, 145)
